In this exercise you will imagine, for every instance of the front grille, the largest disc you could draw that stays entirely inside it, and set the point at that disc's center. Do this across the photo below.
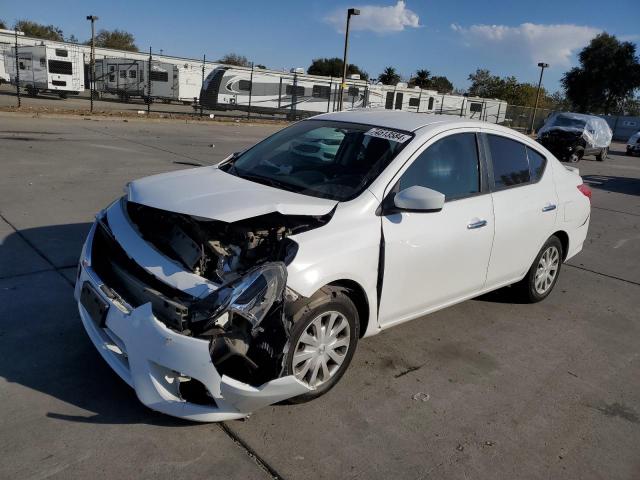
(134, 284)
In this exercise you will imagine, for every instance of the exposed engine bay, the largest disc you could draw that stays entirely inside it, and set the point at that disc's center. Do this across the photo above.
(244, 319)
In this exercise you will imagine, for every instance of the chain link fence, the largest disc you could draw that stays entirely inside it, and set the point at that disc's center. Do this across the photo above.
(58, 76)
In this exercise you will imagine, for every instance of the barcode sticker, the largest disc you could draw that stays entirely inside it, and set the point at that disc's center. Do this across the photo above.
(388, 135)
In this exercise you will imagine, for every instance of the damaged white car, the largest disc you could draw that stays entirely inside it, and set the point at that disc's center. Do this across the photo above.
(219, 290)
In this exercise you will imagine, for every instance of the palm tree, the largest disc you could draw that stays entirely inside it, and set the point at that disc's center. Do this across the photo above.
(389, 76)
(422, 78)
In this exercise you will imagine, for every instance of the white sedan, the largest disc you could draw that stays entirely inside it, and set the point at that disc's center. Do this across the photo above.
(219, 290)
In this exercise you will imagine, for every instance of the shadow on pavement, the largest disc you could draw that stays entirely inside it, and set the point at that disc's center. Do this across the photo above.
(45, 348)
(626, 185)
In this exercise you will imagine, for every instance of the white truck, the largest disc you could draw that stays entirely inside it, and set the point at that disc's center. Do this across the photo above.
(46, 68)
(129, 78)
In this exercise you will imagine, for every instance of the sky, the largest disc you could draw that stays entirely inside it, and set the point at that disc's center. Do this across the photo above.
(451, 38)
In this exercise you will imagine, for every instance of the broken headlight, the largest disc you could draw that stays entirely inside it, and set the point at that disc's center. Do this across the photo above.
(250, 296)
(257, 291)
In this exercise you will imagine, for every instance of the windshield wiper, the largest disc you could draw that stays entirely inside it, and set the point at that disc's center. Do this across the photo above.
(272, 182)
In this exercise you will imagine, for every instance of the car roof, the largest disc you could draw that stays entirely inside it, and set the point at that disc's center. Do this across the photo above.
(407, 121)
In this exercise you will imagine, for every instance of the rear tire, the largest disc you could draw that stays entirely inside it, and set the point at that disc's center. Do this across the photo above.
(602, 156)
(327, 319)
(543, 273)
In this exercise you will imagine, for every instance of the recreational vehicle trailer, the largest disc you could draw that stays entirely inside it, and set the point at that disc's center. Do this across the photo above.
(416, 99)
(295, 93)
(127, 79)
(46, 68)
(4, 75)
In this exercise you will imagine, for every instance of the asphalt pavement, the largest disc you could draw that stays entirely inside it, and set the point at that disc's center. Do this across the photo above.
(485, 389)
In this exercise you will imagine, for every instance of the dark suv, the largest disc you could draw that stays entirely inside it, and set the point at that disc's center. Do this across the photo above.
(571, 136)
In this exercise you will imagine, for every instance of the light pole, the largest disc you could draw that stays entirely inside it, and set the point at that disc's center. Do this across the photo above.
(542, 66)
(92, 81)
(350, 12)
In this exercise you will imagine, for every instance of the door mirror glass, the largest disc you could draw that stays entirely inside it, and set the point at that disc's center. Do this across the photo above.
(419, 199)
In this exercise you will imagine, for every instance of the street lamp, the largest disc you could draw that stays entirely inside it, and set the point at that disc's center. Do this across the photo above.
(542, 66)
(92, 81)
(350, 12)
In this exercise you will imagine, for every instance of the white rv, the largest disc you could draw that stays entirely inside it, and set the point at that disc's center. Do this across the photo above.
(46, 68)
(4, 75)
(127, 78)
(416, 99)
(229, 88)
(295, 93)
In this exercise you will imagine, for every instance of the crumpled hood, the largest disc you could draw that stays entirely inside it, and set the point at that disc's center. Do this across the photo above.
(209, 192)
(563, 130)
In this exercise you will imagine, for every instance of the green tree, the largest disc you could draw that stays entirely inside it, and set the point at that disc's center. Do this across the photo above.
(117, 39)
(607, 77)
(422, 79)
(33, 29)
(389, 76)
(486, 85)
(332, 67)
(3, 25)
(558, 101)
(441, 84)
(235, 59)
(72, 39)
(483, 84)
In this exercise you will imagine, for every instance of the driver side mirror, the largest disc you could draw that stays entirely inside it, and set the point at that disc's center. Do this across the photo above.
(417, 199)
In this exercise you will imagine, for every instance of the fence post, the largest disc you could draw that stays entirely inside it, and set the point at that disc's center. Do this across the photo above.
(204, 59)
(149, 85)
(280, 93)
(419, 98)
(462, 106)
(250, 92)
(329, 96)
(441, 104)
(498, 115)
(15, 32)
(294, 95)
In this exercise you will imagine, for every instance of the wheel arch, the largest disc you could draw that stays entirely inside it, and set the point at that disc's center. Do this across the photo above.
(358, 296)
(564, 240)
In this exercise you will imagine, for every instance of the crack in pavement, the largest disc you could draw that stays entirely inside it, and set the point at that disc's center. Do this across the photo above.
(603, 274)
(165, 150)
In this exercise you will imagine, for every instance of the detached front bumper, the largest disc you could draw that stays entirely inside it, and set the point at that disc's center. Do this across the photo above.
(153, 359)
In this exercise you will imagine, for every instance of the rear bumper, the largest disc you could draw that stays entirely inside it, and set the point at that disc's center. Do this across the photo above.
(153, 360)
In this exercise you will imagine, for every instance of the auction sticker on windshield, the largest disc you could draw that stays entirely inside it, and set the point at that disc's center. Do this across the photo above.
(388, 135)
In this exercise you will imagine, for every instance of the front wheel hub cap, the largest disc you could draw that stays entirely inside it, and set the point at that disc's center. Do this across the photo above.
(321, 349)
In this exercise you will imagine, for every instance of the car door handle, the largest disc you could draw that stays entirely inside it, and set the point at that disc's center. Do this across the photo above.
(548, 207)
(476, 223)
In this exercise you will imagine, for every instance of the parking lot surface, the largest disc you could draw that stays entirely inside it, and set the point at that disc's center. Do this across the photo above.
(485, 389)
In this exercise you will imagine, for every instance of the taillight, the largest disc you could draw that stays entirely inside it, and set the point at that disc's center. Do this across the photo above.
(585, 190)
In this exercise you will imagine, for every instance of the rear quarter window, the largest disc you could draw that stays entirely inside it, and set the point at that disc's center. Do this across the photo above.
(537, 164)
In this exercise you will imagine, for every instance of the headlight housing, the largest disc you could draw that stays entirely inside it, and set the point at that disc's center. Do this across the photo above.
(250, 296)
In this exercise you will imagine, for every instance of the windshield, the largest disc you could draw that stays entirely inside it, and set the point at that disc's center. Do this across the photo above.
(327, 159)
(562, 121)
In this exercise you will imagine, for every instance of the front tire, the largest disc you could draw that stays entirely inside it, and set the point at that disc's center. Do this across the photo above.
(602, 156)
(544, 272)
(323, 340)
(576, 155)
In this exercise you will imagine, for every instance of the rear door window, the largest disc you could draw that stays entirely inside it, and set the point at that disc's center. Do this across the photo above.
(509, 160)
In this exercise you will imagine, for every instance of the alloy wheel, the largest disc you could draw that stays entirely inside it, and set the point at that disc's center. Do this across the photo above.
(547, 270)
